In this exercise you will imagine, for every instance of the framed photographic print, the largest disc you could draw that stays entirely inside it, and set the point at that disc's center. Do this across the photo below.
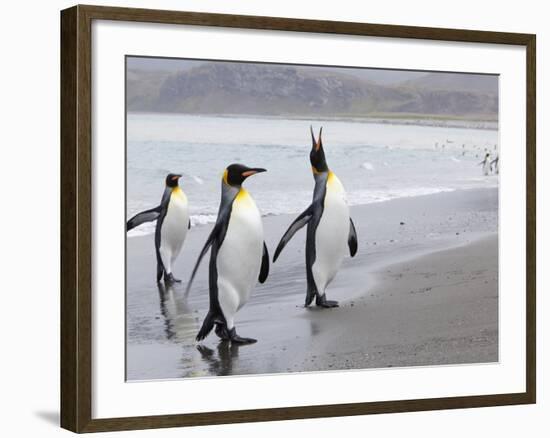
(313, 218)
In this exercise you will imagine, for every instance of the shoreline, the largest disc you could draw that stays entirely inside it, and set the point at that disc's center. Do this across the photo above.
(431, 120)
(137, 233)
(161, 339)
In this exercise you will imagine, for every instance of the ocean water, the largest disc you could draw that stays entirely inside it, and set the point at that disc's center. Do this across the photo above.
(375, 161)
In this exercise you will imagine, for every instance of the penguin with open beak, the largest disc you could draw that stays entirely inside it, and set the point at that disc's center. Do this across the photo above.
(330, 230)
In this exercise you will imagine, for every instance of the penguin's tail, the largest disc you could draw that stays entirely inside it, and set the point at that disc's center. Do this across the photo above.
(207, 326)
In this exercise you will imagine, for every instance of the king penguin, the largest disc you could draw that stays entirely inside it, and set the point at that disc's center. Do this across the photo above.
(172, 216)
(495, 162)
(238, 256)
(486, 164)
(329, 228)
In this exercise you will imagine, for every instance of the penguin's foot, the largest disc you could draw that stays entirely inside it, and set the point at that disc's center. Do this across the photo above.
(322, 301)
(235, 338)
(309, 298)
(239, 340)
(169, 278)
(222, 332)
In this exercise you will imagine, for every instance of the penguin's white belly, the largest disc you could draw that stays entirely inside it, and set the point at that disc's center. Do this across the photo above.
(240, 256)
(331, 236)
(486, 167)
(174, 226)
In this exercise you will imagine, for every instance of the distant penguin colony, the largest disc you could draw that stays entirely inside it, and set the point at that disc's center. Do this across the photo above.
(172, 216)
(489, 165)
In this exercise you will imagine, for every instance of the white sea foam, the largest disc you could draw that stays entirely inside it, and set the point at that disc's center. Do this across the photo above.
(202, 147)
(202, 219)
(360, 197)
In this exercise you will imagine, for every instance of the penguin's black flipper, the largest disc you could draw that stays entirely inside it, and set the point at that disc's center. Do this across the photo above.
(217, 234)
(352, 239)
(264, 270)
(205, 249)
(144, 216)
(298, 223)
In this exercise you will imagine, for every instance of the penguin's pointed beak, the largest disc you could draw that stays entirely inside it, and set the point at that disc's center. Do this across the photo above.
(317, 154)
(316, 143)
(253, 171)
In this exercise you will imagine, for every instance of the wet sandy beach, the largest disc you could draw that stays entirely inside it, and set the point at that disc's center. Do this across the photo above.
(422, 290)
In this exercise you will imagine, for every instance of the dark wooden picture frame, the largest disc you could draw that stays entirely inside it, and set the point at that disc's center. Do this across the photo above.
(76, 218)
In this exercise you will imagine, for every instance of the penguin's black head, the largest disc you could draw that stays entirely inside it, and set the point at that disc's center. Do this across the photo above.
(317, 154)
(172, 180)
(235, 174)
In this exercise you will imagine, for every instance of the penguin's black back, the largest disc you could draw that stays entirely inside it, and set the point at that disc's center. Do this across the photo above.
(318, 205)
(164, 202)
(226, 207)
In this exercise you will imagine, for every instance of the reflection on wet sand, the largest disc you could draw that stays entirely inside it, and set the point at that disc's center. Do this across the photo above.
(181, 323)
(222, 364)
(314, 328)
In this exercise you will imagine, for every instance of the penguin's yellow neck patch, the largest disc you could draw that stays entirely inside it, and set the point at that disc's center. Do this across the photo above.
(177, 191)
(224, 177)
(242, 195)
(333, 183)
(243, 199)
